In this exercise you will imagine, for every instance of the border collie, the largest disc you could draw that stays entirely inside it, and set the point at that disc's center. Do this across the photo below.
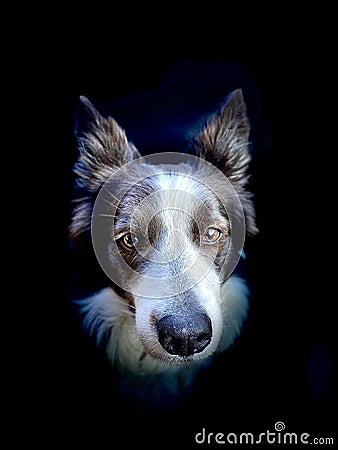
(168, 231)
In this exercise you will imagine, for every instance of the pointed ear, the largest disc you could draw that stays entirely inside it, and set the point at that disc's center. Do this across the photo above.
(224, 140)
(103, 148)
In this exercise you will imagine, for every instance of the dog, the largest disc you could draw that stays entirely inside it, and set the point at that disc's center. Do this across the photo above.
(168, 231)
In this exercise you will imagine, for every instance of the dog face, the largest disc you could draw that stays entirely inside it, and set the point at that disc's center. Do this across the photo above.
(174, 246)
(168, 229)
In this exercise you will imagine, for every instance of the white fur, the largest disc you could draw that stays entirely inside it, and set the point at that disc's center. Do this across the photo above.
(107, 312)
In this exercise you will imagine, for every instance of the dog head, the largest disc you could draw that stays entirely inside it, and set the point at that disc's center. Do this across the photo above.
(168, 229)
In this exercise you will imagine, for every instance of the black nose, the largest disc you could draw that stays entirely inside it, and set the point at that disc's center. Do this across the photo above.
(184, 336)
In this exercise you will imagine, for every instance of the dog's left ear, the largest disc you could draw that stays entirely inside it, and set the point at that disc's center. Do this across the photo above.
(224, 142)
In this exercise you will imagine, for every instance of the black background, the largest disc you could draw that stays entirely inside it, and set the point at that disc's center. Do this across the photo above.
(68, 393)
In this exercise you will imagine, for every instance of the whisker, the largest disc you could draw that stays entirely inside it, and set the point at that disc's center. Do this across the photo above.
(127, 312)
(108, 215)
(112, 195)
(111, 204)
(121, 302)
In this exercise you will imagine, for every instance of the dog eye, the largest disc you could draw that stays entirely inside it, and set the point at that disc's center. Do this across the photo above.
(212, 235)
(129, 240)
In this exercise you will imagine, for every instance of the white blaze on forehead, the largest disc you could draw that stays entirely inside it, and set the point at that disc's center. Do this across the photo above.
(179, 181)
(179, 196)
(171, 191)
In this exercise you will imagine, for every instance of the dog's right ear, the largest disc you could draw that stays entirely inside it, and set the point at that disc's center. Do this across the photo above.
(103, 148)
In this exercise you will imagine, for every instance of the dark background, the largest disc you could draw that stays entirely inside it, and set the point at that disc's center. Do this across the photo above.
(281, 368)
